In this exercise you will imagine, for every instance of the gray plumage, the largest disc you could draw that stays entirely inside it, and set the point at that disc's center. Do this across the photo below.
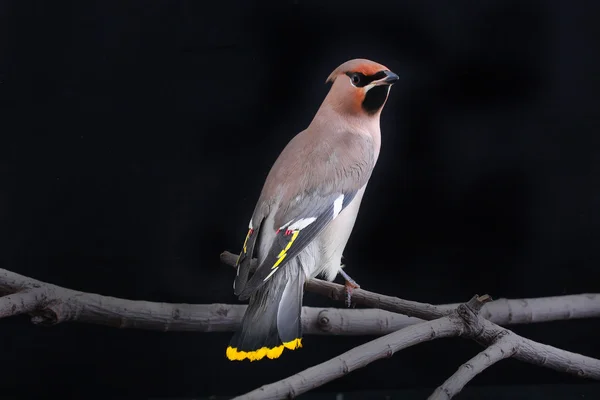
(308, 206)
(304, 183)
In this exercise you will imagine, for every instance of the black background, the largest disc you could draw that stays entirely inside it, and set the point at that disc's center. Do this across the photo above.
(136, 137)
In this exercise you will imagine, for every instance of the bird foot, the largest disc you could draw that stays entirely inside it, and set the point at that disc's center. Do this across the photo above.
(349, 285)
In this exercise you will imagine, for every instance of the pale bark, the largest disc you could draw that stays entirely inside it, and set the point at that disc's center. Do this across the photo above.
(503, 348)
(402, 321)
(354, 359)
(464, 321)
(51, 304)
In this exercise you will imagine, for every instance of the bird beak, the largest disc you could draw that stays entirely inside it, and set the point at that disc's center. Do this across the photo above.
(389, 79)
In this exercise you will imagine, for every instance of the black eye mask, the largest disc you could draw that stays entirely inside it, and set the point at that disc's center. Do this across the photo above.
(362, 80)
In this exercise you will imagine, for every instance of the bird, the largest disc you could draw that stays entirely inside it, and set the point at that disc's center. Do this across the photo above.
(307, 209)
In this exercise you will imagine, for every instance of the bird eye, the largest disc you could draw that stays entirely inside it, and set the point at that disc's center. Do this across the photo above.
(355, 79)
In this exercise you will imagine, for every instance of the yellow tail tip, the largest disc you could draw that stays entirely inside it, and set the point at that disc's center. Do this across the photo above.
(234, 354)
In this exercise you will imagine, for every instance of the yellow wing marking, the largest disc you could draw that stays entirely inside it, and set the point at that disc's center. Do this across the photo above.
(283, 252)
(244, 246)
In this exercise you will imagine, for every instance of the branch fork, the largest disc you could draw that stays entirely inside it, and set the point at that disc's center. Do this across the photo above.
(464, 320)
(398, 323)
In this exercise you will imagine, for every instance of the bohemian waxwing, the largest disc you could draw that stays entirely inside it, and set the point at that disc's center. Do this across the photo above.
(307, 209)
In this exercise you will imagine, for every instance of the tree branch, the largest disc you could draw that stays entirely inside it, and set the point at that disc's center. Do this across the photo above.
(358, 357)
(501, 311)
(477, 328)
(503, 348)
(464, 321)
(360, 296)
(19, 303)
(51, 304)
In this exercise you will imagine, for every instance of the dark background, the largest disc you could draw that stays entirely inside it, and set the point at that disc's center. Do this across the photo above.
(135, 138)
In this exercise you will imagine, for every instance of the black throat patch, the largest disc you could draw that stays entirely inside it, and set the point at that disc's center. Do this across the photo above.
(375, 98)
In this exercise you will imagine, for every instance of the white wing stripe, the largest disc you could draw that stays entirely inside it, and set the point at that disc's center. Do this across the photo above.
(337, 205)
(272, 272)
(302, 223)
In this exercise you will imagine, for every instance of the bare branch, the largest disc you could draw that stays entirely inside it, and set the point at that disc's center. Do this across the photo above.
(503, 348)
(486, 333)
(547, 356)
(386, 346)
(50, 304)
(358, 357)
(359, 296)
(19, 303)
(12, 282)
(53, 304)
(543, 309)
(359, 321)
(501, 311)
(464, 321)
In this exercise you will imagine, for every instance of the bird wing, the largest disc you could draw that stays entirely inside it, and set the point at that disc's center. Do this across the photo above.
(312, 205)
(312, 215)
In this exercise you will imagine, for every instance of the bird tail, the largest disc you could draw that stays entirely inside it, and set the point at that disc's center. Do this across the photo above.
(272, 320)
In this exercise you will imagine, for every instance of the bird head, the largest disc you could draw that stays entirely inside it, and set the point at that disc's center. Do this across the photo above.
(360, 87)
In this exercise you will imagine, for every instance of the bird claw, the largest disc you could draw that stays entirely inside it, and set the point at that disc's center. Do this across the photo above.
(349, 285)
